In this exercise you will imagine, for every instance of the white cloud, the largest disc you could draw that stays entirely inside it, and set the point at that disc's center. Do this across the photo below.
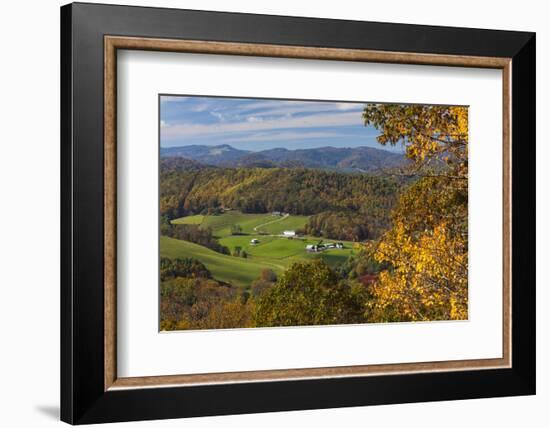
(310, 121)
(349, 106)
(200, 107)
(282, 136)
(268, 104)
(218, 115)
(288, 108)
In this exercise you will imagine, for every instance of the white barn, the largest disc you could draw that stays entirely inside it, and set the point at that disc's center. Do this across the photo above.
(289, 233)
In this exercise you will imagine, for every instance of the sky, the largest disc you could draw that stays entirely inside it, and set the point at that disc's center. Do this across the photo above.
(261, 124)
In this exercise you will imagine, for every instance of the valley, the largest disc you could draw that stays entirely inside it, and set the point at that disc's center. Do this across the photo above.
(261, 238)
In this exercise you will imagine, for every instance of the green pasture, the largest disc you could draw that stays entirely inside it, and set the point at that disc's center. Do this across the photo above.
(191, 219)
(264, 223)
(278, 225)
(221, 224)
(277, 247)
(234, 270)
(272, 251)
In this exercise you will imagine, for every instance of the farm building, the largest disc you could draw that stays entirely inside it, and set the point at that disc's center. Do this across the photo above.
(315, 248)
(289, 233)
(254, 241)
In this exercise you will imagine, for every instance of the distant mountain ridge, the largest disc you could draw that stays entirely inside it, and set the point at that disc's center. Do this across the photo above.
(344, 159)
(210, 155)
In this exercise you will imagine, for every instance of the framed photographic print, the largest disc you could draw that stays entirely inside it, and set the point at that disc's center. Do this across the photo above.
(266, 213)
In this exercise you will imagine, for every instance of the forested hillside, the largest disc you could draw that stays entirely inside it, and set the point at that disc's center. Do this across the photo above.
(360, 202)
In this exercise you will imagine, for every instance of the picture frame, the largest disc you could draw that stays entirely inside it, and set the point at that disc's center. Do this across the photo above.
(91, 391)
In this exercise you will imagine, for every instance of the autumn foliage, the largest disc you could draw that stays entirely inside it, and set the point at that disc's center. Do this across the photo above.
(309, 294)
(426, 247)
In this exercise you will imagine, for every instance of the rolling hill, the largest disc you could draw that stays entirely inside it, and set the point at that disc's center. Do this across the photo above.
(296, 191)
(237, 271)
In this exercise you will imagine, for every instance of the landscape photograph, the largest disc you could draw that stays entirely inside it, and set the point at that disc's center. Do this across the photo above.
(285, 213)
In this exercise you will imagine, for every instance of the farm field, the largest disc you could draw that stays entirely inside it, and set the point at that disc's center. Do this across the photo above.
(234, 270)
(272, 251)
(250, 223)
(279, 248)
(191, 219)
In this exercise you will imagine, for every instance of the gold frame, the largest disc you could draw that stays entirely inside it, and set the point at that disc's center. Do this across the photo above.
(113, 43)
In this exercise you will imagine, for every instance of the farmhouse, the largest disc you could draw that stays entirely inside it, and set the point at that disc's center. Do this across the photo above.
(289, 233)
(254, 241)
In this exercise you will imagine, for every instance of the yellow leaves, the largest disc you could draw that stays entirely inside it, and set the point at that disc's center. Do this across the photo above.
(426, 250)
(428, 277)
(425, 131)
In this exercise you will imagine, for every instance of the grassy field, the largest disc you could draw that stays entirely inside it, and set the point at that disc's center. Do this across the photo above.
(272, 251)
(235, 270)
(278, 225)
(264, 223)
(221, 224)
(192, 219)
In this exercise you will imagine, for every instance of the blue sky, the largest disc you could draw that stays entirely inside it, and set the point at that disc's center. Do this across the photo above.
(260, 124)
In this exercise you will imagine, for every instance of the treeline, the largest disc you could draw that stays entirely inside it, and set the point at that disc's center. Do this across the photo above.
(347, 225)
(192, 233)
(187, 267)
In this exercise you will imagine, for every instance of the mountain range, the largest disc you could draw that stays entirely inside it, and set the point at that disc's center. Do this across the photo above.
(358, 159)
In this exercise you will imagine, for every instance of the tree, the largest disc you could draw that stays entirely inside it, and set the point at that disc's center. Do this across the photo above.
(427, 246)
(268, 275)
(265, 281)
(193, 233)
(175, 296)
(429, 133)
(227, 314)
(308, 294)
(236, 229)
(186, 267)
